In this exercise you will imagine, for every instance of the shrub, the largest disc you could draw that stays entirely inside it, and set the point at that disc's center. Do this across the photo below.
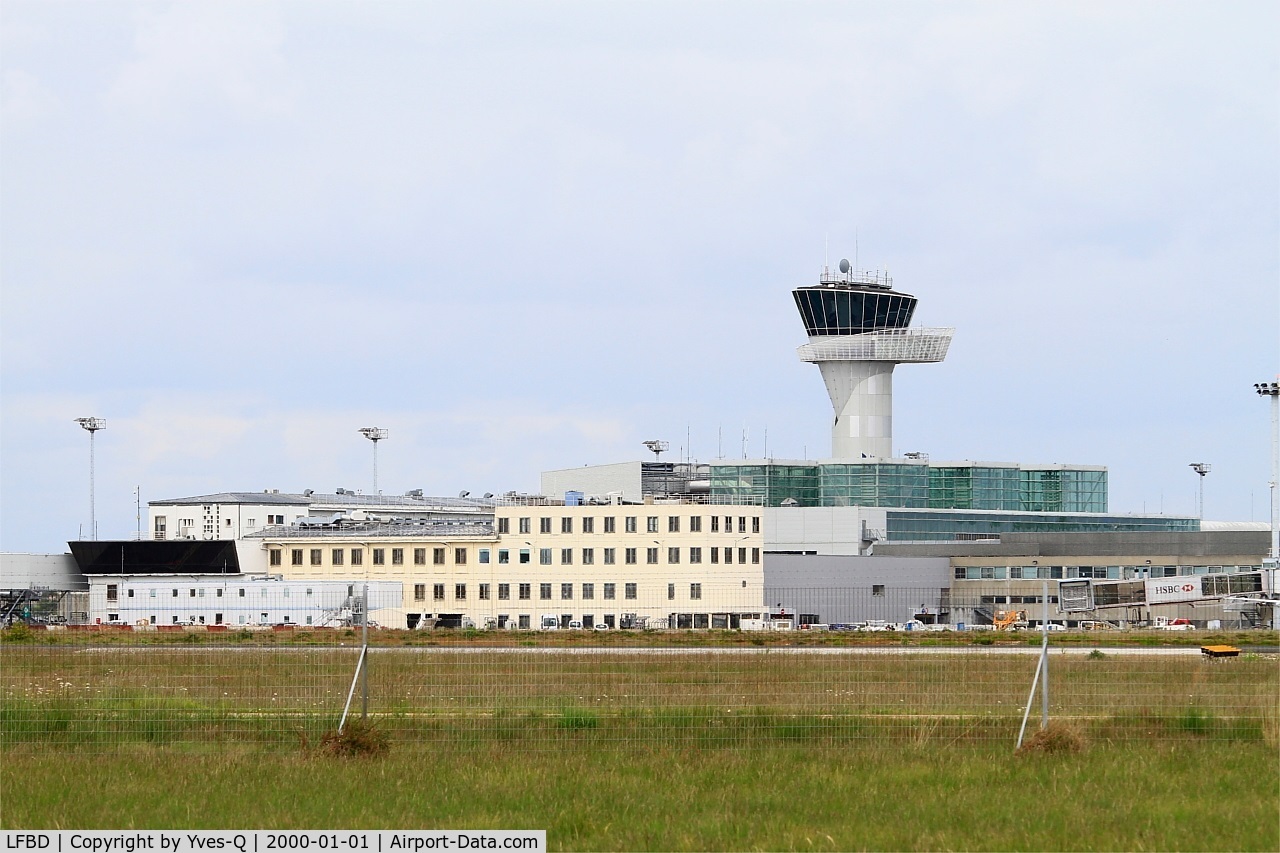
(1057, 738)
(358, 738)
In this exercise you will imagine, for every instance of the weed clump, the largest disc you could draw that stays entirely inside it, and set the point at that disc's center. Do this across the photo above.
(358, 739)
(18, 632)
(1096, 654)
(1057, 739)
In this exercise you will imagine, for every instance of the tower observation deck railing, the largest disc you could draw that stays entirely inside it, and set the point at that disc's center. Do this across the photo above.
(896, 345)
(870, 278)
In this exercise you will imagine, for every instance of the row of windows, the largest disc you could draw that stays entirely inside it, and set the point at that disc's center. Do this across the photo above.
(524, 591)
(587, 556)
(631, 524)
(113, 592)
(1000, 573)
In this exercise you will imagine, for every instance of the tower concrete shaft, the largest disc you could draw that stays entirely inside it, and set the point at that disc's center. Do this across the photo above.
(858, 333)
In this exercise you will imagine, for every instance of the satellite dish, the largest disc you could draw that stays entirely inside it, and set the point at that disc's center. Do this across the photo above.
(844, 265)
(463, 494)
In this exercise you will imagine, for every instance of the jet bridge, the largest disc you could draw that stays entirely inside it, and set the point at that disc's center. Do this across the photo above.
(1238, 591)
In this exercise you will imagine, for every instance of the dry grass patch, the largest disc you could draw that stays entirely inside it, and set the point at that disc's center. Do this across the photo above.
(1057, 739)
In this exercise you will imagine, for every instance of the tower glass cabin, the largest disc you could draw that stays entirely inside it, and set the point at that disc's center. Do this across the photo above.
(858, 328)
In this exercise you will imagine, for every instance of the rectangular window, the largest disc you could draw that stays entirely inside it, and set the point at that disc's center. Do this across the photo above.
(588, 591)
(695, 524)
(673, 524)
(611, 591)
(566, 556)
(419, 556)
(504, 556)
(715, 524)
(742, 556)
(504, 525)
(671, 591)
(379, 556)
(484, 556)
(437, 556)
(629, 556)
(525, 591)
(588, 557)
(504, 592)
(566, 591)
(524, 555)
(728, 556)
(742, 524)
(695, 555)
(610, 556)
(397, 556)
(437, 592)
(651, 523)
(524, 525)
(755, 524)
(524, 621)
(544, 591)
(715, 554)
(419, 592)
(295, 556)
(566, 524)
(544, 525)
(484, 592)
(651, 556)
(877, 589)
(336, 555)
(588, 525)
(273, 557)
(629, 591)
(728, 524)
(357, 556)
(317, 556)
(673, 555)
(161, 526)
(544, 556)
(695, 591)
(755, 556)
(609, 524)
(459, 556)
(113, 592)
(631, 524)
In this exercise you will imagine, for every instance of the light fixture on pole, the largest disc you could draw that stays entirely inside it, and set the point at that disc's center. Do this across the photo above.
(1201, 468)
(92, 425)
(1272, 390)
(374, 434)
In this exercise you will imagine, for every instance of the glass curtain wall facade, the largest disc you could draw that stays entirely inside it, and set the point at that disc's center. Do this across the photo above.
(876, 484)
(904, 526)
(972, 487)
(847, 311)
(771, 484)
(913, 485)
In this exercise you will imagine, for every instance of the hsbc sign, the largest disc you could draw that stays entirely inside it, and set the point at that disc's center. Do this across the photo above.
(1172, 590)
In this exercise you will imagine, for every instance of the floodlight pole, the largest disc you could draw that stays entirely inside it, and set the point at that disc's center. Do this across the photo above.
(374, 434)
(1201, 468)
(1272, 390)
(92, 425)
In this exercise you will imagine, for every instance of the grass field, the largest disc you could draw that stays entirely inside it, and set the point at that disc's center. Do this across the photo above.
(593, 794)
(736, 746)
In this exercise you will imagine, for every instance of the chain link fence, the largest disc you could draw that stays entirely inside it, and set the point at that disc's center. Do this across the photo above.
(99, 686)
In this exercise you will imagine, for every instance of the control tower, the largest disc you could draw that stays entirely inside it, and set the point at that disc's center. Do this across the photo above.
(857, 325)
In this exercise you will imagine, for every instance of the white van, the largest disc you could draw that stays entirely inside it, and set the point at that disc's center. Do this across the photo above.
(549, 622)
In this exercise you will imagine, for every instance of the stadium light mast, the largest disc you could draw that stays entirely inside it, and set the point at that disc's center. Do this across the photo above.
(92, 425)
(1201, 468)
(1272, 390)
(374, 434)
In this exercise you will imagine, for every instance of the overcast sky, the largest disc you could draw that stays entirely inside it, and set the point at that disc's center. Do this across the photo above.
(526, 236)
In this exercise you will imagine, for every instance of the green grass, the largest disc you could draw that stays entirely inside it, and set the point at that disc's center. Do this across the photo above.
(590, 793)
